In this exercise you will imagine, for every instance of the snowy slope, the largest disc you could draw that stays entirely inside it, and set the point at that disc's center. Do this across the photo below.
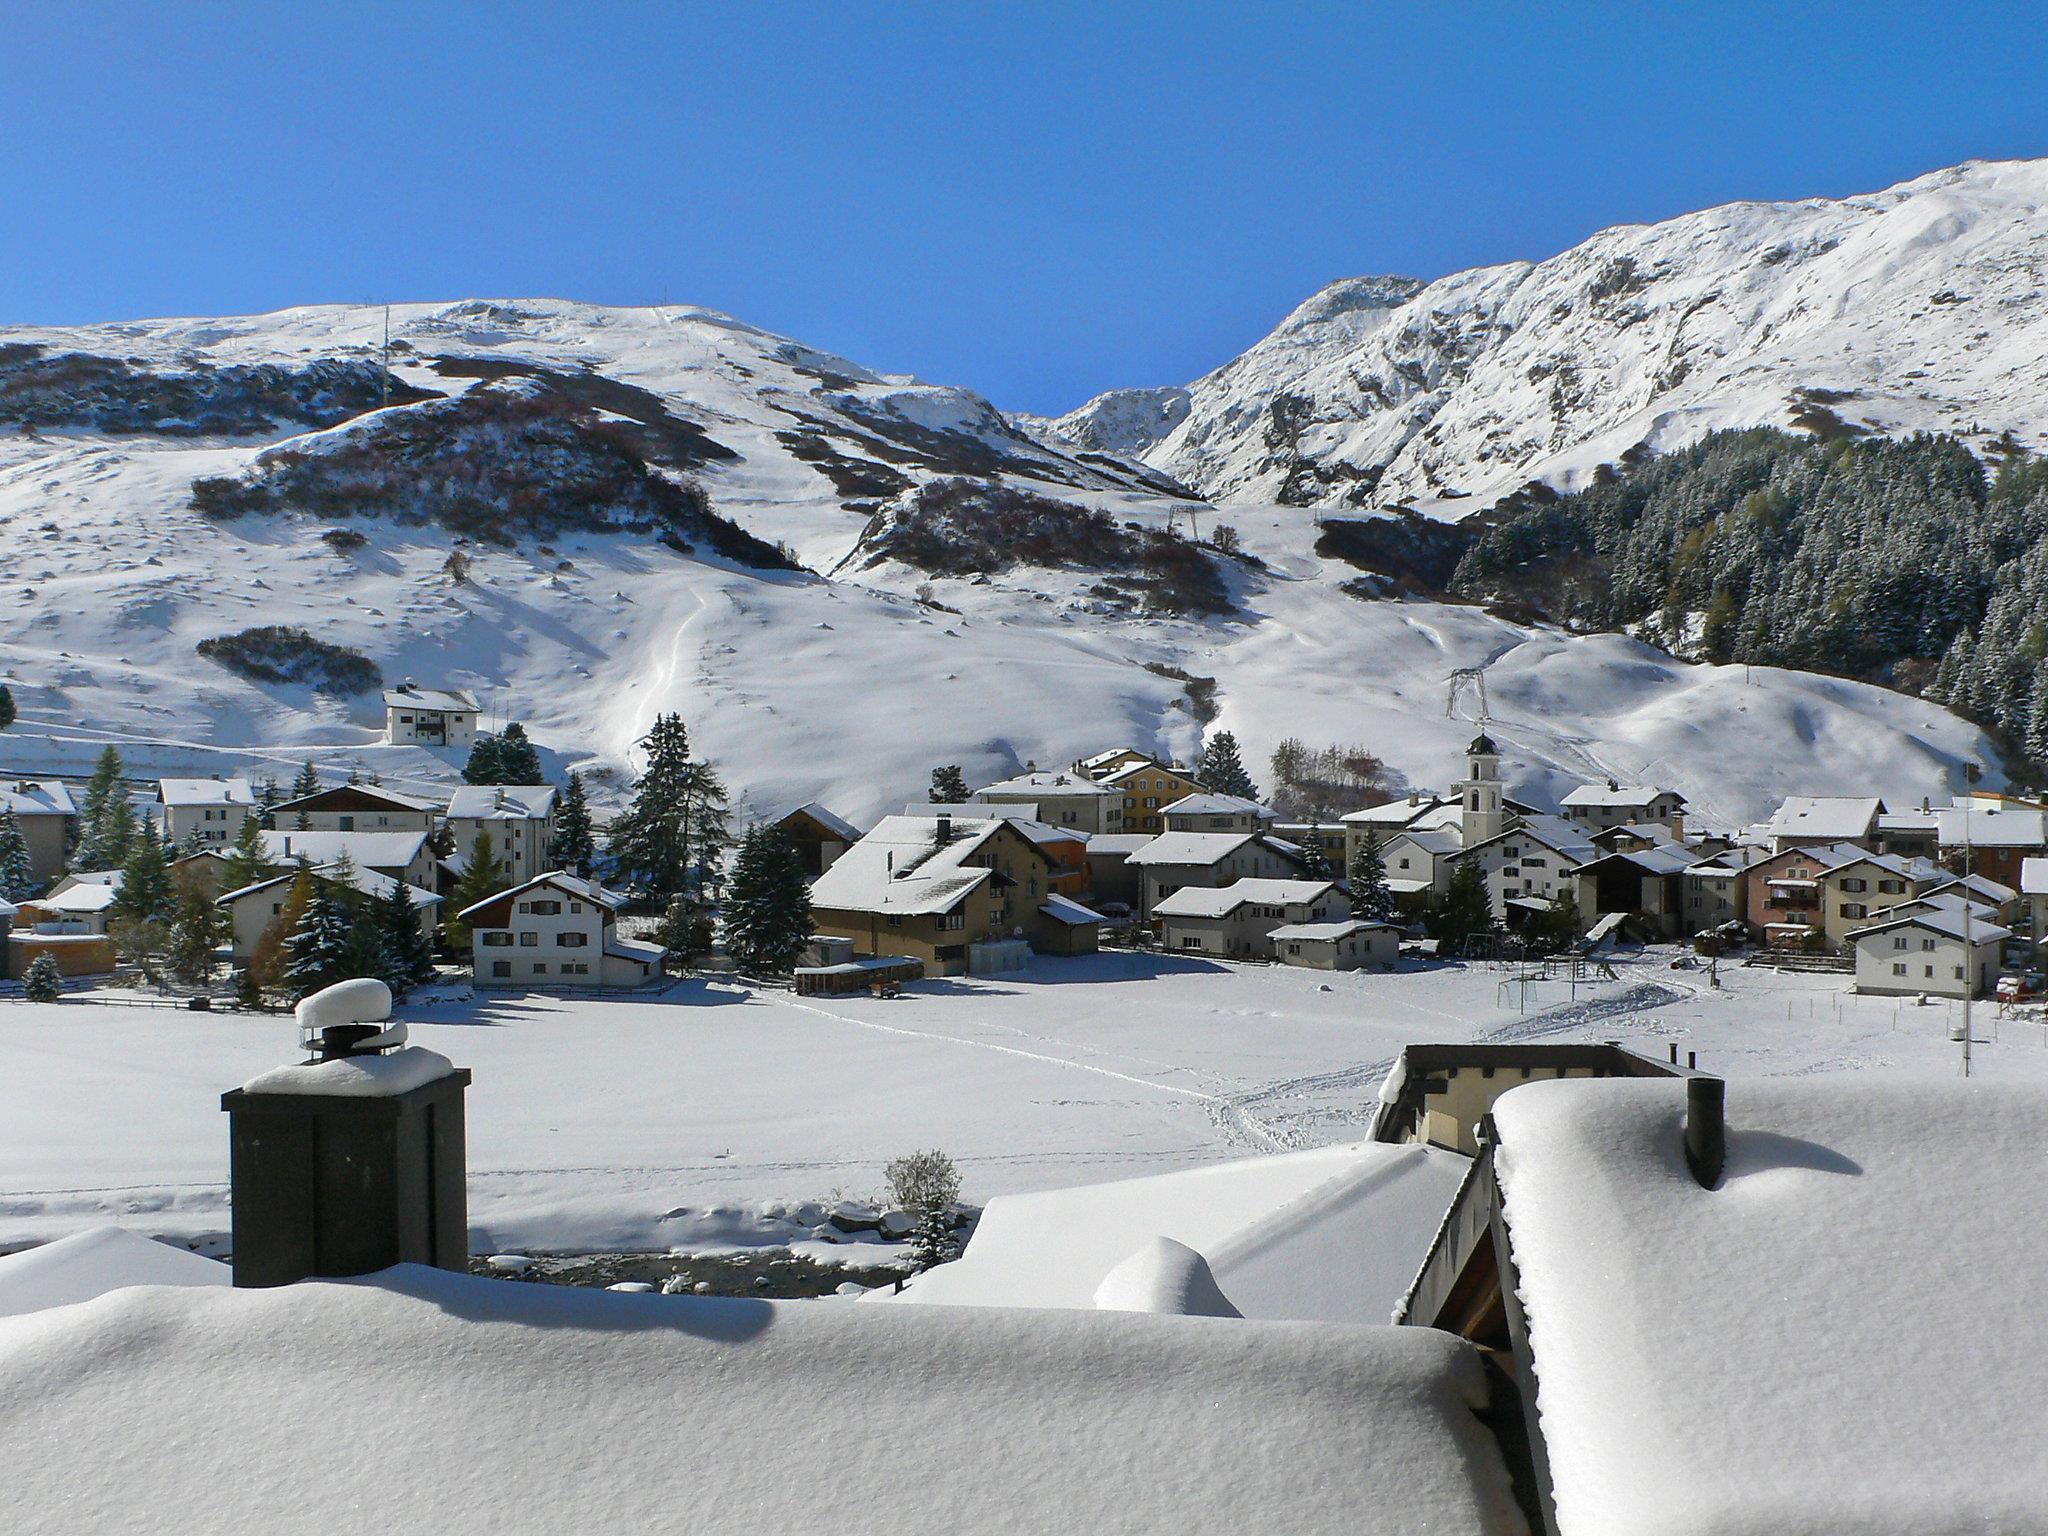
(844, 687)
(1924, 306)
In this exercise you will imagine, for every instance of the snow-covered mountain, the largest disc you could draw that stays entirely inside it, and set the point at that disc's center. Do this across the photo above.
(616, 483)
(1924, 306)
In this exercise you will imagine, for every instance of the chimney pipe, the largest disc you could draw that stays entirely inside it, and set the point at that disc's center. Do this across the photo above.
(945, 834)
(1674, 1053)
(1706, 1130)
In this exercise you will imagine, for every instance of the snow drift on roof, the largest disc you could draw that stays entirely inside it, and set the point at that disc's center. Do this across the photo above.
(369, 850)
(1204, 901)
(1826, 818)
(205, 792)
(436, 700)
(356, 1077)
(89, 1264)
(470, 1401)
(902, 867)
(1615, 795)
(502, 802)
(1836, 1338)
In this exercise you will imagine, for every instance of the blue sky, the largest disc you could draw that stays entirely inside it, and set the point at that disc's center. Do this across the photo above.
(1039, 201)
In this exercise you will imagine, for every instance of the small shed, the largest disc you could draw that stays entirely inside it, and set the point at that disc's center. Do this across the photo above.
(854, 976)
(1348, 945)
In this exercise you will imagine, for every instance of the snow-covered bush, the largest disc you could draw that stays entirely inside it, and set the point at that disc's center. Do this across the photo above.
(926, 1184)
(44, 983)
(279, 653)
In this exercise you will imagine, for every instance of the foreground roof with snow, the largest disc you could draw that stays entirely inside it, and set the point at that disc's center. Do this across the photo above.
(1839, 1336)
(456, 1402)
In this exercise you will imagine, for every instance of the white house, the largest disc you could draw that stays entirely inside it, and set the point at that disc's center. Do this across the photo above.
(1821, 820)
(1062, 799)
(556, 930)
(1418, 860)
(429, 717)
(1599, 806)
(401, 855)
(1208, 812)
(1531, 861)
(1926, 952)
(1237, 921)
(356, 808)
(1208, 859)
(210, 810)
(253, 908)
(519, 819)
(1348, 944)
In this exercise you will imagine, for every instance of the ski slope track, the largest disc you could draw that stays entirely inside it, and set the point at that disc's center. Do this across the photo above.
(846, 681)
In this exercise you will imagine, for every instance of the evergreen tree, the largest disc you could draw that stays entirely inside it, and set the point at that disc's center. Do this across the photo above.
(323, 946)
(575, 837)
(677, 815)
(306, 781)
(248, 992)
(1371, 899)
(195, 932)
(105, 819)
(1465, 911)
(685, 929)
(1557, 926)
(17, 875)
(1222, 770)
(268, 795)
(6, 707)
(707, 824)
(768, 905)
(482, 878)
(146, 891)
(408, 952)
(2037, 720)
(247, 862)
(949, 786)
(518, 762)
(43, 982)
(486, 763)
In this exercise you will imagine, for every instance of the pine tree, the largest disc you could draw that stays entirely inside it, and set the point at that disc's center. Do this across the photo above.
(1466, 909)
(2037, 720)
(707, 824)
(655, 841)
(768, 905)
(247, 862)
(17, 875)
(146, 892)
(195, 931)
(1371, 899)
(1222, 770)
(407, 950)
(306, 781)
(105, 819)
(949, 786)
(43, 982)
(322, 946)
(684, 930)
(518, 762)
(6, 707)
(482, 878)
(268, 796)
(486, 763)
(575, 838)
(248, 992)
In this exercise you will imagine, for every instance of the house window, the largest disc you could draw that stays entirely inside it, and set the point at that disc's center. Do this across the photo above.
(572, 940)
(501, 967)
(895, 920)
(575, 907)
(346, 823)
(575, 967)
(497, 940)
(540, 967)
(528, 940)
(1404, 864)
(1854, 909)
(1927, 944)
(1537, 861)
(1959, 973)
(1855, 885)
(1190, 941)
(1899, 969)
(1892, 887)
(547, 908)
(952, 921)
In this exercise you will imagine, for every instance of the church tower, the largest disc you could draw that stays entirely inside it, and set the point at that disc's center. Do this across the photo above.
(1481, 791)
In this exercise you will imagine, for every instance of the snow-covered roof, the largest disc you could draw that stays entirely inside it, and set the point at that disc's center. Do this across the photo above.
(1209, 804)
(91, 1263)
(37, 797)
(1949, 922)
(1204, 901)
(1053, 785)
(1992, 826)
(1147, 766)
(1062, 909)
(1436, 841)
(1909, 821)
(86, 896)
(1568, 839)
(368, 881)
(1833, 1338)
(570, 885)
(371, 850)
(1619, 796)
(469, 1399)
(1326, 933)
(1981, 886)
(397, 799)
(899, 867)
(1110, 756)
(1826, 818)
(838, 826)
(187, 792)
(502, 802)
(1649, 831)
(1199, 848)
(634, 949)
(1023, 817)
(1399, 813)
(1663, 859)
(1125, 843)
(438, 700)
(1332, 1235)
(2034, 876)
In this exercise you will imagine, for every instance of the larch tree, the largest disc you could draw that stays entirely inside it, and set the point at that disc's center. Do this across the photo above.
(267, 963)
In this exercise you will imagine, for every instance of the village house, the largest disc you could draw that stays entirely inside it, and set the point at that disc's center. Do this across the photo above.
(1210, 860)
(1064, 848)
(252, 909)
(2034, 897)
(1714, 890)
(1939, 953)
(1209, 812)
(1115, 760)
(1418, 862)
(1612, 804)
(209, 812)
(1821, 821)
(49, 822)
(556, 930)
(1148, 788)
(1646, 882)
(1329, 838)
(518, 820)
(81, 904)
(1914, 834)
(1381, 823)
(1857, 888)
(819, 835)
(1528, 865)
(936, 889)
(356, 808)
(1782, 891)
(1993, 833)
(1071, 800)
(1237, 921)
(429, 717)
(1113, 880)
(1347, 944)
(407, 856)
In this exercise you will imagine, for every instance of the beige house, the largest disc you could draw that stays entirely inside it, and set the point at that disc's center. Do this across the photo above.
(356, 808)
(1210, 860)
(76, 905)
(1237, 921)
(1070, 800)
(400, 855)
(1929, 952)
(252, 909)
(48, 818)
(207, 811)
(556, 930)
(1148, 788)
(1210, 812)
(429, 717)
(1599, 806)
(1348, 944)
(519, 820)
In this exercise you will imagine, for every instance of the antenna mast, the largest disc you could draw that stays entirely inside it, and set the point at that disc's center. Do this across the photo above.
(384, 366)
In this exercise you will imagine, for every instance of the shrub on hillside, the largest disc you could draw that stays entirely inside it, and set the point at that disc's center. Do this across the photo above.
(279, 653)
(110, 394)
